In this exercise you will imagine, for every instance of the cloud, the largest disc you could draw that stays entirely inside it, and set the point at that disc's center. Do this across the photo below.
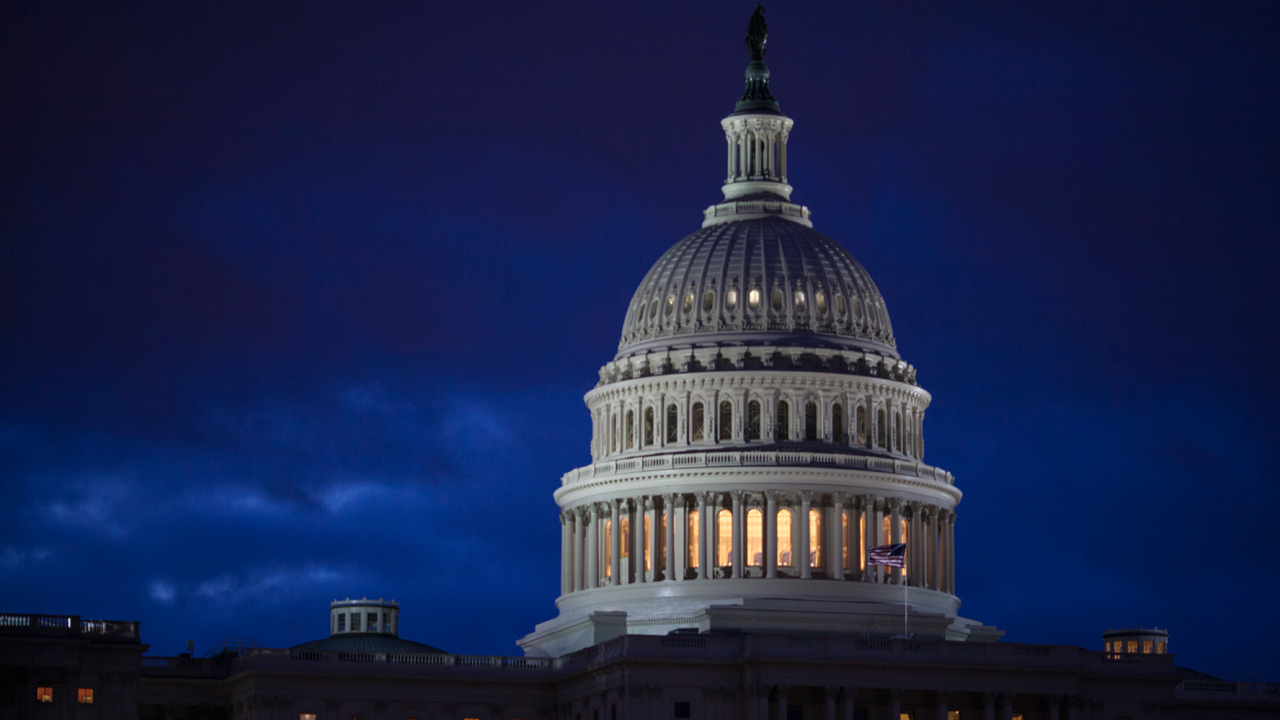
(16, 560)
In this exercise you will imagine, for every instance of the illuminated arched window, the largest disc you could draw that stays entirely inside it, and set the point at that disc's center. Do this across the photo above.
(696, 433)
(815, 538)
(844, 539)
(648, 562)
(691, 536)
(862, 534)
(783, 419)
(724, 538)
(673, 416)
(608, 548)
(784, 537)
(888, 529)
(624, 532)
(755, 537)
(837, 424)
(882, 436)
(811, 421)
(861, 427)
(631, 429)
(648, 426)
(753, 420)
(726, 420)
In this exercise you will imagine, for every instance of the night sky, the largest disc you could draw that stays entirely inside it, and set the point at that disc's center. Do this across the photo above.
(299, 300)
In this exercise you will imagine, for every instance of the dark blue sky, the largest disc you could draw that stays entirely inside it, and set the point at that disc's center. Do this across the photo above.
(299, 301)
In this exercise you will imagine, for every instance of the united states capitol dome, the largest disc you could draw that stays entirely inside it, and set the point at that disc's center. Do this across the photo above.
(765, 280)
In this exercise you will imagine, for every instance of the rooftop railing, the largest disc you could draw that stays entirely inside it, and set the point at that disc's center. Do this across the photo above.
(748, 458)
(68, 626)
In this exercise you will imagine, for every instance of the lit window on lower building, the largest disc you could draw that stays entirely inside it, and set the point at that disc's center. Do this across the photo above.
(953, 715)
(85, 696)
(306, 716)
(44, 694)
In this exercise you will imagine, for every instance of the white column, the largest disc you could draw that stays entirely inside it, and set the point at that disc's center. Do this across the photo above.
(669, 537)
(951, 553)
(702, 536)
(771, 534)
(652, 538)
(593, 546)
(682, 537)
(806, 497)
(915, 570)
(872, 536)
(565, 562)
(615, 542)
(739, 534)
(579, 514)
(835, 545)
(856, 540)
(638, 536)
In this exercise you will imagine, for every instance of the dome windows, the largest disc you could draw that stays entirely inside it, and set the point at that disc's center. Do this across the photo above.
(840, 305)
(731, 299)
(820, 301)
(653, 309)
(726, 419)
(799, 301)
(753, 299)
(671, 304)
(777, 299)
(708, 300)
(688, 303)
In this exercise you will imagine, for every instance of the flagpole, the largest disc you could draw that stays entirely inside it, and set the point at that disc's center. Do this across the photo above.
(905, 634)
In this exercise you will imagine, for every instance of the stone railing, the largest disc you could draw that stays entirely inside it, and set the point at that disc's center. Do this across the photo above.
(68, 626)
(750, 458)
(282, 659)
(1224, 690)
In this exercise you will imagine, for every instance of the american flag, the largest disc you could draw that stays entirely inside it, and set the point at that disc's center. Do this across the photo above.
(893, 555)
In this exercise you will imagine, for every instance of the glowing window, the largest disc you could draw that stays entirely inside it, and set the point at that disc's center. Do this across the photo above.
(887, 527)
(648, 534)
(777, 299)
(631, 429)
(862, 534)
(688, 303)
(783, 420)
(692, 538)
(820, 300)
(953, 715)
(312, 716)
(837, 423)
(608, 548)
(799, 301)
(755, 537)
(724, 538)
(1133, 646)
(671, 304)
(815, 538)
(844, 535)
(1160, 647)
(840, 305)
(44, 694)
(731, 299)
(1147, 647)
(784, 537)
(85, 696)
(673, 416)
(708, 300)
(753, 420)
(648, 426)
(726, 420)
(810, 421)
(753, 299)
(697, 422)
(625, 531)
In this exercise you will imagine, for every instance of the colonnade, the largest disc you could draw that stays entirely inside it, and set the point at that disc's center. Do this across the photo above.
(679, 537)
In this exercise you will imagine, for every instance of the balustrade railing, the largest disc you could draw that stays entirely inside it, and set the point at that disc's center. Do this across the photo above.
(748, 458)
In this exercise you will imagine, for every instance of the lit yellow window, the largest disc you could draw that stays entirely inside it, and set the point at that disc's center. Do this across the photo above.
(85, 696)
(1133, 646)
(784, 537)
(862, 533)
(953, 715)
(1147, 647)
(647, 534)
(815, 538)
(312, 716)
(724, 538)
(624, 532)
(44, 694)
(693, 538)
(1160, 647)
(844, 543)
(755, 537)
(608, 548)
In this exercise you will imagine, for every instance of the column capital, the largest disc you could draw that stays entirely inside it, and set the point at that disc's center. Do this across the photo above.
(894, 503)
(647, 501)
(806, 495)
(705, 497)
(915, 506)
(837, 499)
(739, 496)
(771, 495)
(951, 517)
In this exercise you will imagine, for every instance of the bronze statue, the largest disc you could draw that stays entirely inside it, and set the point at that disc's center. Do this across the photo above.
(757, 34)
